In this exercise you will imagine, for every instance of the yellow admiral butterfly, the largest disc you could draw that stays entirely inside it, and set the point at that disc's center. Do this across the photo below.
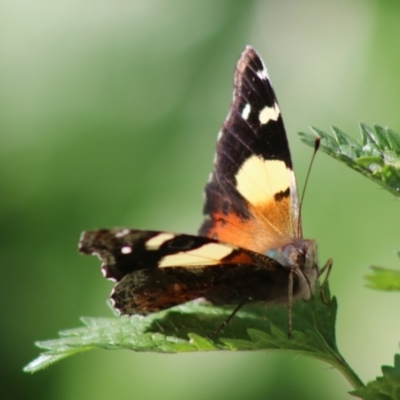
(250, 246)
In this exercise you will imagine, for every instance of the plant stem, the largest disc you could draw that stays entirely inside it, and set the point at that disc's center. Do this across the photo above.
(344, 368)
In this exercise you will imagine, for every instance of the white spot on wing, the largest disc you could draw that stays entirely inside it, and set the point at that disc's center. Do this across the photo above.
(246, 111)
(263, 74)
(269, 113)
(157, 241)
(126, 250)
(112, 303)
(258, 180)
(122, 233)
(204, 255)
(104, 273)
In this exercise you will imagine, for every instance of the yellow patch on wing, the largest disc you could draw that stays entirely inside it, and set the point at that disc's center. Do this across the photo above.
(207, 254)
(269, 113)
(157, 241)
(258, 180)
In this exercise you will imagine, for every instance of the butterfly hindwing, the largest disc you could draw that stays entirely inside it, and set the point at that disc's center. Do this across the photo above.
(150, 290)
(251, 197)
(157, 270)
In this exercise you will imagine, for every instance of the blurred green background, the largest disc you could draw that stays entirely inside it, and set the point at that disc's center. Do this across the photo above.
(109, 112)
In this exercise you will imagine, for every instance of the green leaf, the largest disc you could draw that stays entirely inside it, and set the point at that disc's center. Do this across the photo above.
(384, 279)
(386, 387)
(376, 156)
(187, 328)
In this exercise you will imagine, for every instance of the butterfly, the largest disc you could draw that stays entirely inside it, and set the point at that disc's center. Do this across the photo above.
(250, 246)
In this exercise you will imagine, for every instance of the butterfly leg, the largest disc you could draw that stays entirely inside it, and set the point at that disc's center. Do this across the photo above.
(327, 267)
(227, 320)
(290, 303)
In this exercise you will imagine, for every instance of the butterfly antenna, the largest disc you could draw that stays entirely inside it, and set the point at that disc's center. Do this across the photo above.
(316, 147)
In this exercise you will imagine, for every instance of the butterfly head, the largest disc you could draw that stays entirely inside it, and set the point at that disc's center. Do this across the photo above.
(300, 256)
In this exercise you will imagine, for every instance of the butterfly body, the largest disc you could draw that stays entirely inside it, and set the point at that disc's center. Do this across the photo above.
(250, 246)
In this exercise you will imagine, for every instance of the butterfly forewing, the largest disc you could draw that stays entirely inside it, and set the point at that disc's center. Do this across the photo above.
(124, 251)
(251, 197)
